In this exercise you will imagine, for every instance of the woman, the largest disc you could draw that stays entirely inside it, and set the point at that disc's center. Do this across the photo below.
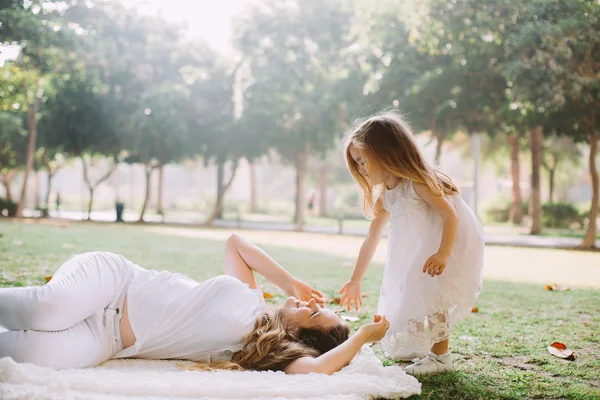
(101, 306)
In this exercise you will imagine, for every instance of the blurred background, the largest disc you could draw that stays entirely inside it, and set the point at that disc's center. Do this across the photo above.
(232, 113)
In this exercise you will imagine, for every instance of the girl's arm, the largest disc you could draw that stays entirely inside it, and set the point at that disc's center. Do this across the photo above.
(339, 357)
(243, 257)
(351, 290)
(436, 264)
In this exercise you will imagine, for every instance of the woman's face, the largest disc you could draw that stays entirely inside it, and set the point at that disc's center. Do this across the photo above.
(309, 314)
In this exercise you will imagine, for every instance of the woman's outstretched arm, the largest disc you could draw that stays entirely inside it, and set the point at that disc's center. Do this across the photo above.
(242, 257)
(337, 358)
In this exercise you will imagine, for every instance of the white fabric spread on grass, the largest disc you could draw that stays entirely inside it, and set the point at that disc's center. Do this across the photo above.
(134, 379)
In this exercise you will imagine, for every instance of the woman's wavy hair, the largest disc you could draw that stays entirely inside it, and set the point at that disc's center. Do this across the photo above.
(386, 140)
(274, 343)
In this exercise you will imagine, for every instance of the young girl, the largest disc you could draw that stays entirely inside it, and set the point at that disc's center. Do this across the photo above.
(435, 253)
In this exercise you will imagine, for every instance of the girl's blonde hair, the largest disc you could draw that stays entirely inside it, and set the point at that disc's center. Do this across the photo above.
(274, 343)
(386, 140)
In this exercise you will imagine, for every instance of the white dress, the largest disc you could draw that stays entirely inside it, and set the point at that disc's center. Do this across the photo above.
(421, 308)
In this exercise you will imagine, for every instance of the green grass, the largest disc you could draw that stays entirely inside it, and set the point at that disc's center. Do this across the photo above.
(500, 352)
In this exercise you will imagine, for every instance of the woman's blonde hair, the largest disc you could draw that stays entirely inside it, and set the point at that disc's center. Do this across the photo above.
(274, 343)
(386, 140)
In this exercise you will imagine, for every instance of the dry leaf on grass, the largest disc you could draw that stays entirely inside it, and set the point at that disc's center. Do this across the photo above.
(557, 288)
(267, 295)
(474, 309)
(560, 350)
(349, 318)
(48, 278)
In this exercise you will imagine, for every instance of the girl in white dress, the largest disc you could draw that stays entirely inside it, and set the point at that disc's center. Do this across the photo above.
(433, 271)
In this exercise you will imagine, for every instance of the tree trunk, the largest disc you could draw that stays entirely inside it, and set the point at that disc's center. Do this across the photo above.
(161, 175)
(48, 191)
(36, 189)
(301, 166)
(516, 207)
(91, 185)
(535, 204)
(551, 172)
(323, 175)
(90, 202)
(438, 148)
(221, 190)
(253, 204)
(149, 168)
(32, 112)
(589, 240)
(7, 181)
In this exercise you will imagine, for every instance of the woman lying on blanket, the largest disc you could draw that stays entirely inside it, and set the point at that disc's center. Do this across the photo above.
(101, 306)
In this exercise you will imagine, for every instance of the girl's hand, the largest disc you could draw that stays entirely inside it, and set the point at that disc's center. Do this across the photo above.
(351, 292)
(376, 330)
(436, 264)
(303, 291)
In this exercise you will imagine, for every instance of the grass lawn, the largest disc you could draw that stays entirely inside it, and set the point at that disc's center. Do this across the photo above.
(500, 352)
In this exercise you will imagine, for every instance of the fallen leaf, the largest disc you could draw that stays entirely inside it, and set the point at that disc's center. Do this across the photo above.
(557, 288)
(349, 318)
(560, 350)
(267, 295)
(474, 309)
(48, 278)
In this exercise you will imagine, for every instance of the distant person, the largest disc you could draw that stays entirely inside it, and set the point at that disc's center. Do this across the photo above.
(100, 306)
(311, 202)
(433, 269)
(57, 202)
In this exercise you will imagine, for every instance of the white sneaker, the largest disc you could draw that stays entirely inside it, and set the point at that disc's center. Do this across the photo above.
(410, 356)
(432, 364)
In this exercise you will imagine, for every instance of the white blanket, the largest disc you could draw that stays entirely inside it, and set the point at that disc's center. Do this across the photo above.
(133, 379)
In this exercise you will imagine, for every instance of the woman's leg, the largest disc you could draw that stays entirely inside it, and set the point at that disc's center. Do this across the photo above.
(84, 285)
(85, 344)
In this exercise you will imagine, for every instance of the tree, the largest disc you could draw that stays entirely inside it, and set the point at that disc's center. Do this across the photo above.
(554, 47)
(558, 151)
(296, 58)
(13, 140)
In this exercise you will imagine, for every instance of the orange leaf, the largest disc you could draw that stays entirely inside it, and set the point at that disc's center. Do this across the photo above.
(560, 350)
(557, 288)
(474, 309)
(48, 279)
(267, 295)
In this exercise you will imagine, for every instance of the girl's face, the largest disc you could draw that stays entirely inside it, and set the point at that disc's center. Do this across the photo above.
(372, 171)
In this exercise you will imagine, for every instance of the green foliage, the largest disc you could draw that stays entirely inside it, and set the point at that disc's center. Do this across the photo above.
(561, 215)
(7, 208)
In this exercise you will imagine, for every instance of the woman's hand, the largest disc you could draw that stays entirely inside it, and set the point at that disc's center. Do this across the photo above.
(376, 330)
(436, 264)
(351, 292)
(303, 291)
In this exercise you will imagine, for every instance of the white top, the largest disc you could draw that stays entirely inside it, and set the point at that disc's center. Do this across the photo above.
(175, 317)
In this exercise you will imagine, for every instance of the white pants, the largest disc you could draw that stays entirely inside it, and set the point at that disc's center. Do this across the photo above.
(73, 320)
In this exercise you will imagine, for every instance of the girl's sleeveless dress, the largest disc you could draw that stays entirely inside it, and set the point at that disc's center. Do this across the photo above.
(421, 308)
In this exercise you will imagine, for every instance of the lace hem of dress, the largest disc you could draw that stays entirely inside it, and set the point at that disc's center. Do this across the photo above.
(419, 334)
